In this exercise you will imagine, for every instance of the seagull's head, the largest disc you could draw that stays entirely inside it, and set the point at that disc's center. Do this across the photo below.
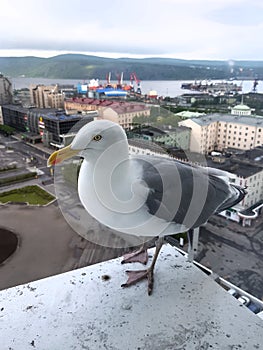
(92, 138)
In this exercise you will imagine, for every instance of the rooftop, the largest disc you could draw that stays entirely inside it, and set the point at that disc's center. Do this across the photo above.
(242, 107)
(233, 166)
(118, 106)
(31, 109)
(229, 118)
(242, 163)
(63, 117)
(87, 308)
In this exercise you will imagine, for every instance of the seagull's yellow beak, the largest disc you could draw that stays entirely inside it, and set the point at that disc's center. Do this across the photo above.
(60, 155)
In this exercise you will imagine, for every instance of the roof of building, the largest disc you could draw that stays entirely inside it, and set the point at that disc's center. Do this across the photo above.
(121, 108)
(189, 114)
(64, 117)
(25, 110)
(241, 107)
(243, 163)
(175, 129)
(118, 106)
(147, 130)
(234, 167)
(229, 118)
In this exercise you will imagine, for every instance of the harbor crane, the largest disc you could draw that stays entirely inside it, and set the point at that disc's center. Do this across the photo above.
(133, 77)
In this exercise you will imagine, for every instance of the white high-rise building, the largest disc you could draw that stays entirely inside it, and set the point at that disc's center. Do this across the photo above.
(223, 131)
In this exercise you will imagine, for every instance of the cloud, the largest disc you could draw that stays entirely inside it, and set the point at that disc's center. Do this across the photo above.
(217, 29)
(243, 14)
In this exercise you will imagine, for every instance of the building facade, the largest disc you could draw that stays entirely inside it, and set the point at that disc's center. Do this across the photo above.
(124, 113)
(53, 126)
(119, 112)
(6, 92)
(43, 96)
(220, 132)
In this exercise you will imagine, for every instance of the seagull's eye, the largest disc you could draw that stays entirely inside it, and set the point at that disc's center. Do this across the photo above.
(97, 137)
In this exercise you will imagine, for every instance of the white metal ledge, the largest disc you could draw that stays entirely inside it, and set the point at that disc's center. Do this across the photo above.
(88, 309)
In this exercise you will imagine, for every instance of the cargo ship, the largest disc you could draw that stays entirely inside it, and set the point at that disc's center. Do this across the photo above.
(213, 88)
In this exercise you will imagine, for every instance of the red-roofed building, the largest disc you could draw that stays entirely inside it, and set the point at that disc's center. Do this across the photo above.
(119, 112)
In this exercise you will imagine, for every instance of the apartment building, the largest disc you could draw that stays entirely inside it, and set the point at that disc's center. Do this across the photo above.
(123, 113)
(6, 93)
(83, 105)
(223, 131)
(51, 126)
(117, 111)
(44, 96)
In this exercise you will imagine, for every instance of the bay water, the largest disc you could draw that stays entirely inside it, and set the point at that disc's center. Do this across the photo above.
(164, 88)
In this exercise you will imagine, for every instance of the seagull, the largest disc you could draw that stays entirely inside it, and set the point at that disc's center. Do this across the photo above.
(146, 196)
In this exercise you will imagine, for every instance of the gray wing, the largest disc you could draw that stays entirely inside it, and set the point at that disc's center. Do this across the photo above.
(184, 194)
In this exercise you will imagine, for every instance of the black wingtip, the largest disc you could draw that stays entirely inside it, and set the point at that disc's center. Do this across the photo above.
(241, 193)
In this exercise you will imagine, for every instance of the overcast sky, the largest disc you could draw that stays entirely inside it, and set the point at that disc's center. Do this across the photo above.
(189, 29)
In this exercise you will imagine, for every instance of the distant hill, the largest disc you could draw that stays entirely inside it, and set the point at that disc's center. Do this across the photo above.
(75, 66)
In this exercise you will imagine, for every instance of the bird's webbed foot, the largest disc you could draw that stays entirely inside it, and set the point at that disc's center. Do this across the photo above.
(140, 256)
(136, 276)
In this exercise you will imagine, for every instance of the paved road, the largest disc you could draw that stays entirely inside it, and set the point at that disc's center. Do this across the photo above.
(25, 154)
(234, 256)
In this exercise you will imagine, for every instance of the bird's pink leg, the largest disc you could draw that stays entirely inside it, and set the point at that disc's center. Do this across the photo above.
(136, 276)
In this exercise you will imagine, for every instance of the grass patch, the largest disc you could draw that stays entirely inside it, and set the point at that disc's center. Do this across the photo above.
(32, 194)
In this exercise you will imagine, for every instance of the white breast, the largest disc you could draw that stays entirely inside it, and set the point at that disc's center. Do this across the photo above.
(118, 201)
